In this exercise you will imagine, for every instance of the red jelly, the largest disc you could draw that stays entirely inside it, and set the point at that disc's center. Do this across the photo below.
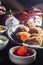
(23, 51)
(22, 17)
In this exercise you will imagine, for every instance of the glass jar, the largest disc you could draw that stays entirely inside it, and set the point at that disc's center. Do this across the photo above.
(10, 20)
(36, 16)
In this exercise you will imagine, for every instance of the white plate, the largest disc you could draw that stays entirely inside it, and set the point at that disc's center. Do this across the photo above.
(12, 29)
(33, 46)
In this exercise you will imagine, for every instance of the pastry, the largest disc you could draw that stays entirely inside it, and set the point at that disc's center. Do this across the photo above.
(36, 30)
(30, 24)
(22, 28)
(40, 31)
(33, 30)
(34, 39)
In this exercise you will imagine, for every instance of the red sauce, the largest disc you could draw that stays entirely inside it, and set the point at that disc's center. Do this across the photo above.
(23, 51)
(22, 17)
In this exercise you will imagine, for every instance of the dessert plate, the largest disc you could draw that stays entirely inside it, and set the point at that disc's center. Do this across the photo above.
(12, 29)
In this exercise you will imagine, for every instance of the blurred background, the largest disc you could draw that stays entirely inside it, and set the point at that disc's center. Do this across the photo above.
(19, 5)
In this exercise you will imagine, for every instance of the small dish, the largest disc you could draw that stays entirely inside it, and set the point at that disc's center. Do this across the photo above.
(21, 60)
(3, 41)
(2, 29)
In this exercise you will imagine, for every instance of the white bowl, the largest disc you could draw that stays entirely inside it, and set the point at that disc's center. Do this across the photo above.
(4, 43)
(3, 30)
(21, 60)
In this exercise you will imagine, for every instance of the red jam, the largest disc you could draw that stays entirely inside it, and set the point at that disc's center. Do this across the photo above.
(23, 51)
(22, 17)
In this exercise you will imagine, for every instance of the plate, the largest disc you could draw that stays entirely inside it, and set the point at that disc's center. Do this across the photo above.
(33, 46)
(12, 29)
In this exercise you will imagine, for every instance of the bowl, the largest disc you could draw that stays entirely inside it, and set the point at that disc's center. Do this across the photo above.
(21, 60)
(2, 29)
(3, 41)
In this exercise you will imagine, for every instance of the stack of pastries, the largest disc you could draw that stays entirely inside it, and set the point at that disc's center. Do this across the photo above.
(29, 33)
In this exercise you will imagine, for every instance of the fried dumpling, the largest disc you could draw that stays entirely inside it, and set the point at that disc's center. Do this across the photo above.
(22, 28)
(36, 30)
(33, 30)
(40, 31)
(34, 39)
(30, 24)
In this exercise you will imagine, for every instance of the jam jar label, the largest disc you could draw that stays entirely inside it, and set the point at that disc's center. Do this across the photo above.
(38, 20)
